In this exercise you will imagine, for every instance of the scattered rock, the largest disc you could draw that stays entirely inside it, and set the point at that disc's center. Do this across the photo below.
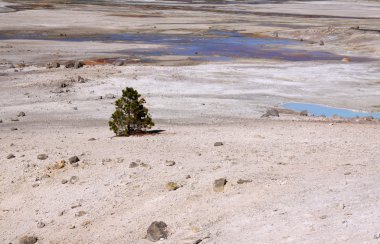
(74, 179)
(1, 121)
(78, 64)
(75, 165)
(157, 231)
(304, 113)
(34, 185)
(21, 114)
(346, 60)
(133, 165)
(271, 112)
(369, 118)
(376, 236)
(218, 144)
(81, 79)
(321, 43)
(118, 62)
(41, 224)
(80, 213)
(53, 65)
(107, 160)
(10, 156)
(169, 163)
(71, 227)
(73, 159)
(323, 217)
(13, 129)
(64, 181)
(14, 119)
(219, 184)
(42, 156)
(69, 64)
(91, 139)
(187, 177)
(28, 240)
(172, 186)
(241, 181)
(145, 165)
(76, 205)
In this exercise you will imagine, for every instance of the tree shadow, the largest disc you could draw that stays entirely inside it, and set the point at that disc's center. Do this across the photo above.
(143, 133)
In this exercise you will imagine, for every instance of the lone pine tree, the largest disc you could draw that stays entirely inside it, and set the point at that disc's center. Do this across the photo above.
(130, 115)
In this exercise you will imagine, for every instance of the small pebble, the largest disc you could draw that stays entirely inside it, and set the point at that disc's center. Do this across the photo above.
(169, 163)
(133, 165)
(64, 181)
(21, 114)
(74, 179)
(80, 213)
(41, 225)
(42, 156)
(10, 156)
(217, 144)
(73, 159)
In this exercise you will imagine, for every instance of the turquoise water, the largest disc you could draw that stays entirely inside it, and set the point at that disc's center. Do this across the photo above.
(329, 112)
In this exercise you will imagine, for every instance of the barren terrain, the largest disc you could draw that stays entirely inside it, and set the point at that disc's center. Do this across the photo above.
(290, 179)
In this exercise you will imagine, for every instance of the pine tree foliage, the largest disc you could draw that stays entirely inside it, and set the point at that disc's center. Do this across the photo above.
(130, 115)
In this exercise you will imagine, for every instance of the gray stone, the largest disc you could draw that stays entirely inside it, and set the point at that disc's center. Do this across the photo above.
(14, 119)
(157, 231)
(81, 79)
(119, 63)
(74, 179)
(21, 114)
(73, 159)
(218, 144)
(304, 113)
(133, 165)
(80, 213)
(321, 43)
(91, 139)
(271, 112)
(28, 240)
(41, 224)
(10, 156)
(13, 129)
(219, 184)
(64, 181)
(169, 163)
(42, 156)
(1, 121)
(69, 64)
(53, 65)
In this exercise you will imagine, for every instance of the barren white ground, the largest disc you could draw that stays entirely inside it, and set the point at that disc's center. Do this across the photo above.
(312, 180)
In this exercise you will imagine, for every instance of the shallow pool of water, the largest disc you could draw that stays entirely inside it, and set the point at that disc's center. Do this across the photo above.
(214, 45)
(318, 110)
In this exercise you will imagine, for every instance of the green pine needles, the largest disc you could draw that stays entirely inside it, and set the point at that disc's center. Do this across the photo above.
(131, 116)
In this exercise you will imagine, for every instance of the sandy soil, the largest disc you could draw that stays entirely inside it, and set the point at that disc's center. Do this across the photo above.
(308, 180)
